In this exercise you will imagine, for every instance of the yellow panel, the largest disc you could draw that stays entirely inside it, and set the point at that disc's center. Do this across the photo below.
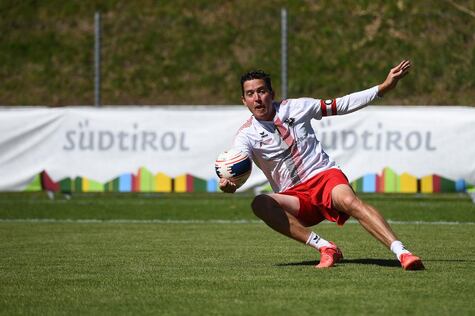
(163, 183)
(85, 185)
(180, 183)
(408, 183)
(427, 184)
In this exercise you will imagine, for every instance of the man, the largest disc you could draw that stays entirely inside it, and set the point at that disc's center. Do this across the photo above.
(308, 184)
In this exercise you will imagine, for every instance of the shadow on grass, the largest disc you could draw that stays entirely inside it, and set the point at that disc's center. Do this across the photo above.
(301, 263)
(378, 262)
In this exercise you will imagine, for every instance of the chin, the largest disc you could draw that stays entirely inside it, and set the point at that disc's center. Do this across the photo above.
(262, 117)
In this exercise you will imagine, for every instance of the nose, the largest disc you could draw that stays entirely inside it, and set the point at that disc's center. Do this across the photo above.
(256, 96)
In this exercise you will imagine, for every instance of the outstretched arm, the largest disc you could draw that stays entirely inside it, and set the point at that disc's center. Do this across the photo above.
(395, 74)
(358, 100)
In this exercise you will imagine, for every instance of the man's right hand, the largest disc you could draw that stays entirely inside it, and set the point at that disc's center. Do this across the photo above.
(395, 74)
(227, 186)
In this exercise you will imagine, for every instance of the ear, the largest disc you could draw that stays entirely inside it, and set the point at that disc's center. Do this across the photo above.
(243, 100)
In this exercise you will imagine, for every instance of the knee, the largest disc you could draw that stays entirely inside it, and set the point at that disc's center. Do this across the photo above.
(260, 203)
(352, 206)
(348, 202)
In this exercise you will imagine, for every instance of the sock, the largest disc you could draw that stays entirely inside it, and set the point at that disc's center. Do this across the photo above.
(398, 249)
(316, 241)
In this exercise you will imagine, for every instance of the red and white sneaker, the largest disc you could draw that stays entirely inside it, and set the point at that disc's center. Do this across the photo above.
(329, 256)
(411, 262)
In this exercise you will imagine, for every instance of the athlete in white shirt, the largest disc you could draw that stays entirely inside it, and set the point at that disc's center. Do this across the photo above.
(308, 185)
(286, 148)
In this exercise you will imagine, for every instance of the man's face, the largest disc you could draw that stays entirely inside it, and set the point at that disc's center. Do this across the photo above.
(258, 99)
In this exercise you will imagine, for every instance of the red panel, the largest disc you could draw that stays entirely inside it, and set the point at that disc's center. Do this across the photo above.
(136, 182)
(189, 183)
(436, 183)
(48, 184)
(380, 182)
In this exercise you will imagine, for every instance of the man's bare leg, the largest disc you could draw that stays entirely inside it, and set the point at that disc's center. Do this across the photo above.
(345, 200)
(279, 212)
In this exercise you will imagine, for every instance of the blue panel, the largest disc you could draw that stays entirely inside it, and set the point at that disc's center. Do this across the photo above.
(125, 183)
(369, 183)
(212, 185)
(460, 185)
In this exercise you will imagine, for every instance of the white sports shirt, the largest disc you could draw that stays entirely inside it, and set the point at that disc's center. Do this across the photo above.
(286, 148)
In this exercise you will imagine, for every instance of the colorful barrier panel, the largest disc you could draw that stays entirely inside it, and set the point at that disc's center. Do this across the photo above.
(369, 183)
(407, 183)
(145, 181)
(35, 185)
(390, 182)
(212, 185)
(89, 185)
(47, 184)
(163, 183)
(183, 184)
(112, 186)
(189, 183)
(125, 183)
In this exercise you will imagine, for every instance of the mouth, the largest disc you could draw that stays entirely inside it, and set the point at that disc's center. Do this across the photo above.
(262, 112)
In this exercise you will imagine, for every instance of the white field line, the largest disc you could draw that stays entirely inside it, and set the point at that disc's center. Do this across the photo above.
(211, 221)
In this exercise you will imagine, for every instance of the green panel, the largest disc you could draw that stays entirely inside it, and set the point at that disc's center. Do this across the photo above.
(95, 186)
(109, 186)
(199, 185)
(447, 185)
(112, 185)
(390, 180)
(78, 184)
(34, 185)
(66, 185)
(358, 185)
(146, 180)
(115, 185)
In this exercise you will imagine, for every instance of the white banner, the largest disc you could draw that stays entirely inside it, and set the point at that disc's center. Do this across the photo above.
(103, 143)
(416, 140)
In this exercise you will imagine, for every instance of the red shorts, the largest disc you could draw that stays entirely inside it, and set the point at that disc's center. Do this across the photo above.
(315, 197)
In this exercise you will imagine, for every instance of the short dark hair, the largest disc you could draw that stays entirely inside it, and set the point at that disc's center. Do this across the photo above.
(256, 74)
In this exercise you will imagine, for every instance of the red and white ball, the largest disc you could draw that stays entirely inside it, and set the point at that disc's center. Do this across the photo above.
(233, 165)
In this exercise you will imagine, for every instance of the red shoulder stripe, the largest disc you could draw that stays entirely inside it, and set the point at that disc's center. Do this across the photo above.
(323, 106)
(334, 107)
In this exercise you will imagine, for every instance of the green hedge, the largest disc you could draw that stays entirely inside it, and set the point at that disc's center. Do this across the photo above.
(193, 52)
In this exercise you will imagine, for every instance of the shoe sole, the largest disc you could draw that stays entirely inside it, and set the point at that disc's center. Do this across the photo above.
(414, 265)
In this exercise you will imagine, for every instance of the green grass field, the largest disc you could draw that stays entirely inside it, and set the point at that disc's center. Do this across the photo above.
(206, 254)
